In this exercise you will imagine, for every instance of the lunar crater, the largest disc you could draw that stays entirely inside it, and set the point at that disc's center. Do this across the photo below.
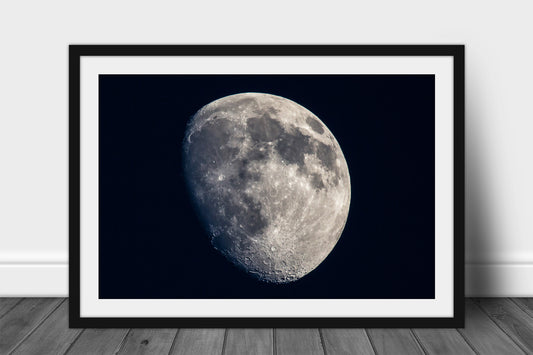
(315, 126)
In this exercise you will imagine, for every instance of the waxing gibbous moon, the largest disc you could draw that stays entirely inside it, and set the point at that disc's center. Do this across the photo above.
(269, 182)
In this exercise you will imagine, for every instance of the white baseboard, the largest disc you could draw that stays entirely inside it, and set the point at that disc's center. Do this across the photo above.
(499, 280)
(33, 280)
(51, 280)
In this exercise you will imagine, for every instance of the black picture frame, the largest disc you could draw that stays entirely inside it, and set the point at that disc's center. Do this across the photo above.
(77, 52)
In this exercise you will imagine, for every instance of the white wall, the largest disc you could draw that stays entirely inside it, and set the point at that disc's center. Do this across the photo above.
(33, 110)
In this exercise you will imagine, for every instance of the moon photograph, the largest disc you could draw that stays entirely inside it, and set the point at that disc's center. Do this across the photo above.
(266, 186)
(269, 182)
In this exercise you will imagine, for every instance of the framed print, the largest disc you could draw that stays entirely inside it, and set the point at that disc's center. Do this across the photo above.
(266, 186)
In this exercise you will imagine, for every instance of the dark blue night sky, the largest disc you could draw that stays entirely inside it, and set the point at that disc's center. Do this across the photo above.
(152, 245)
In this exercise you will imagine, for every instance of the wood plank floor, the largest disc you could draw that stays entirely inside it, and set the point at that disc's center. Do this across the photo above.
(40, 326)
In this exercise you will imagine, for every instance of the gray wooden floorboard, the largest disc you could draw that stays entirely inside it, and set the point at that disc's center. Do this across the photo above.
(6, 304)
(40, 326)
(346, 341)
(394, 341)
(148, 341)
(442, 341)
(199, 341)
(484, 335)
(52, 337)
(24, 317)
(526, 304)
(516, 323)
(298, 341)
(98, 342)
(249, 341)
